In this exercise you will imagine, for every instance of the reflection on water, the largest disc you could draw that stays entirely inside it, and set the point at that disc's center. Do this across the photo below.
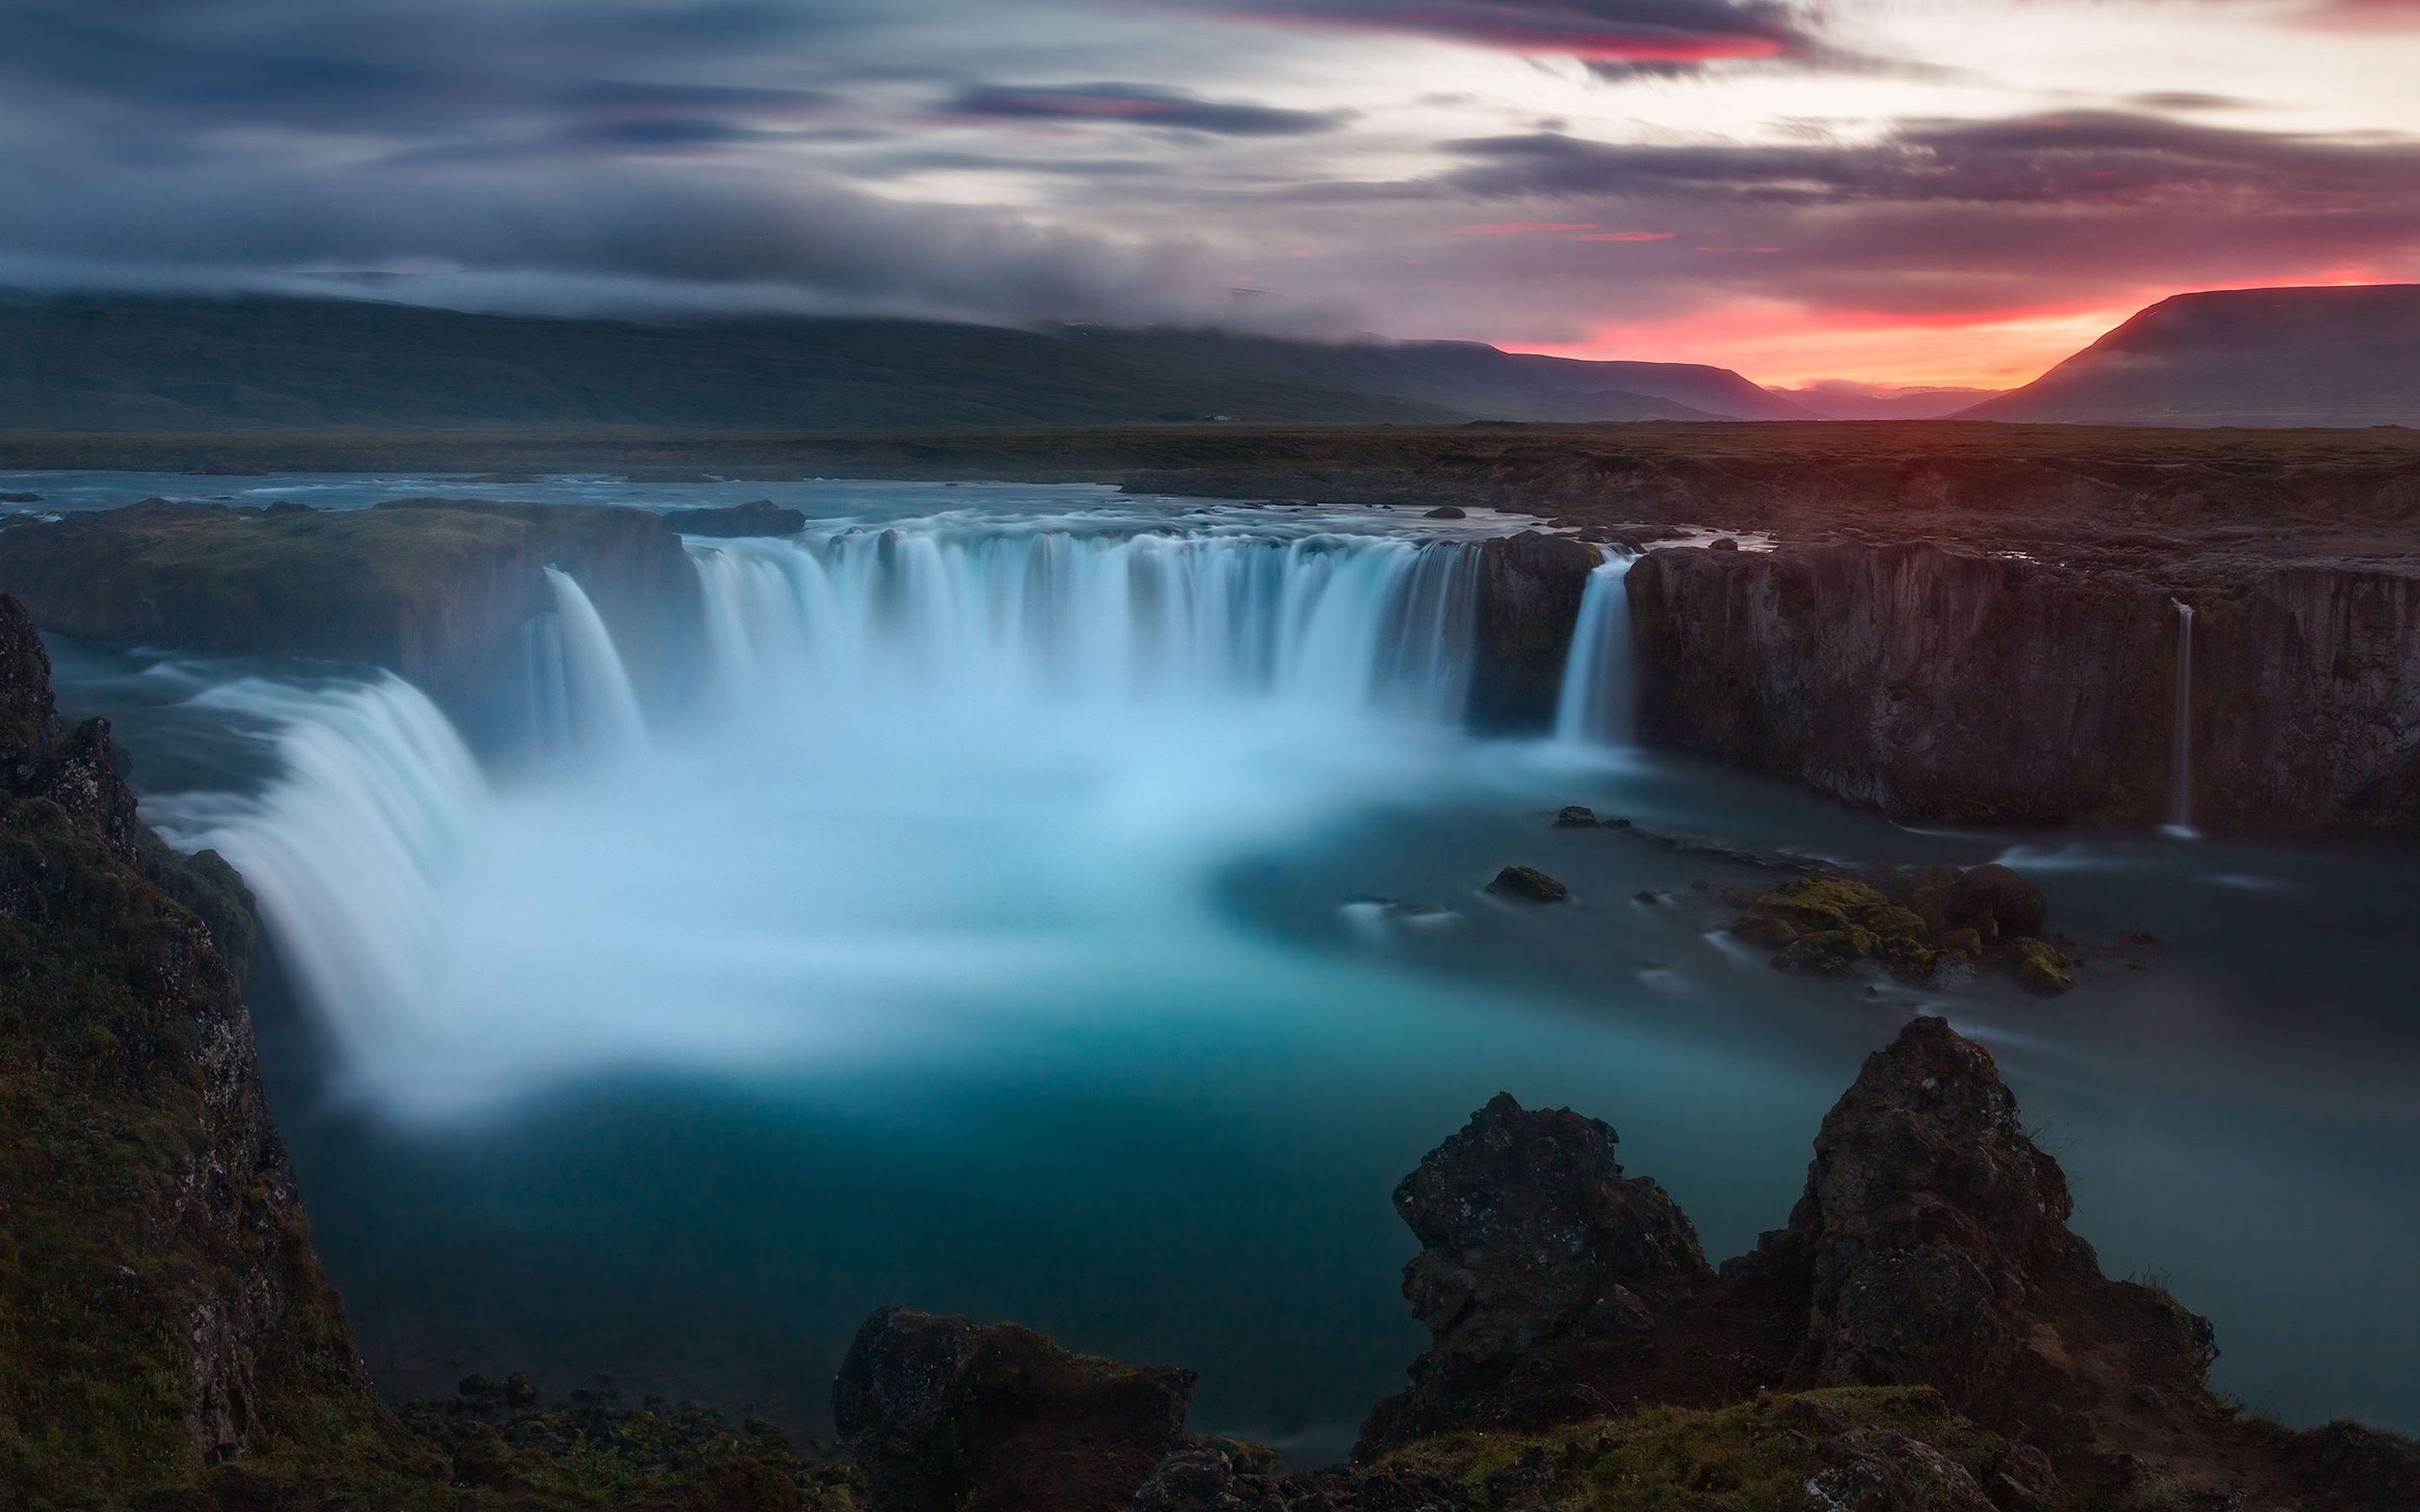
(1117, 1003)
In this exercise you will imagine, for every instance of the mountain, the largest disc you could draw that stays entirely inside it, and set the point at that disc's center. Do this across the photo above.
(1474, 380)
(169, 363)
(1839, 399)
(2347, 356)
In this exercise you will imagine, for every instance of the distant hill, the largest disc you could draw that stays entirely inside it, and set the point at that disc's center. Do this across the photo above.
(2345, 356)
(1838, 400)
(130, 363)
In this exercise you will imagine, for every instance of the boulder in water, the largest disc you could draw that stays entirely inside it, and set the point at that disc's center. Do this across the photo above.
(1445, 512)
(1578, 816)
(1529, 885)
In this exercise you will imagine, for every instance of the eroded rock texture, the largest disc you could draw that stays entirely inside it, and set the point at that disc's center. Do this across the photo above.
(1528, 601)
(1955, 685)
(164, 1308)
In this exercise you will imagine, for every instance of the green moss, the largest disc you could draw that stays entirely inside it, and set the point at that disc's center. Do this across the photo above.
(1757, 1456)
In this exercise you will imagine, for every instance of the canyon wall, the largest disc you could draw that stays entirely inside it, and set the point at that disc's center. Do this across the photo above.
(1956, 687)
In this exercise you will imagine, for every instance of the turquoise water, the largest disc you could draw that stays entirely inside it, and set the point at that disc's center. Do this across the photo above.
(975, 971)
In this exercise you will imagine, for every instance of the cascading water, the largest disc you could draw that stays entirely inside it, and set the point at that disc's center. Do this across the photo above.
(376, 797)
(941, 762)
(602, 707)
(1599, 697)
(1335, 621)
(2180, 736)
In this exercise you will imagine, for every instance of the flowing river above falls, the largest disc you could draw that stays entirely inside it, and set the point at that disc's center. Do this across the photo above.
(1049, 905)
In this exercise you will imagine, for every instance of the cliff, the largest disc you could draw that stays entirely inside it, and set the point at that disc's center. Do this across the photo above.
(1528, 604)
(434, 589)
(164, 1308)
(1948, 685)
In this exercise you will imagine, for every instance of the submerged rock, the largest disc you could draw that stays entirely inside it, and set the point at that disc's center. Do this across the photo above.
(1445, 512)
(941, 1414)
(1578, 816)
(1528, 885)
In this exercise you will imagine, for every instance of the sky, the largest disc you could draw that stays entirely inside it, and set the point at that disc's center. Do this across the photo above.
(1874, 192)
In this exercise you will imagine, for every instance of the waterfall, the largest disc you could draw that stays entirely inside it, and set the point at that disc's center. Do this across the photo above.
(375, 796)
(1356, 622)
(2180, 732)
(603, 709)
(1598, 698)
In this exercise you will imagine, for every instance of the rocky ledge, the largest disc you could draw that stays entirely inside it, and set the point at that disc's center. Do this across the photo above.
(758, 516)
(1955, 685)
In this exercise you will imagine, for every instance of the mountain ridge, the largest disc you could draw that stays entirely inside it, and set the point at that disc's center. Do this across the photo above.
(123, 362)
(2310, 355)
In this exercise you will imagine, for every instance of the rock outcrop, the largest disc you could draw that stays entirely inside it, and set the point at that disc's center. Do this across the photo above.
(1953, 685)
(1921, 924)
(1529, 602)
(164, 1308)
(945, 1415)
(758, 516)
(1530, 1235)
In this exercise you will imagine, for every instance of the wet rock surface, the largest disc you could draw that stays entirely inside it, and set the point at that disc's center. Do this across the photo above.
(1921, 924)
(1527, 883)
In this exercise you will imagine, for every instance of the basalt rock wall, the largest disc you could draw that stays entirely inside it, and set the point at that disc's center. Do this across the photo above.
(1951, 686)
(1529, 603)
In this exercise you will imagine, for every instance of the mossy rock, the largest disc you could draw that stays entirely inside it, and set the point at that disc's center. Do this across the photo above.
(2041, 965)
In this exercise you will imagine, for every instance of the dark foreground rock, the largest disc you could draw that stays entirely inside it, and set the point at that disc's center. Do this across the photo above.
(759, 516)
(944, 1414)
(1931, 1252)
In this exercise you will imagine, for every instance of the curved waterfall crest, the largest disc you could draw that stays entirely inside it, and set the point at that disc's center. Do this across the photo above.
(1360, 620)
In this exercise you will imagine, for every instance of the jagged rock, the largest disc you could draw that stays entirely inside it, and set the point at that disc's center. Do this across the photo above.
(1530, 1233)
(1528, 885)
(944, 1414)
(1931, 1224)
(1577, 816)
(760, 517)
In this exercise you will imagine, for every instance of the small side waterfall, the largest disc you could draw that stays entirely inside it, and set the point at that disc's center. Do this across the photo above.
(604, 709)
(377, 796)
(1599, 698)
(2180, 736)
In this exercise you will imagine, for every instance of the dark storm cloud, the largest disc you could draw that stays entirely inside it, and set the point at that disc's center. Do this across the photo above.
(1132, 105)
(1611, 35)
(2079, 159)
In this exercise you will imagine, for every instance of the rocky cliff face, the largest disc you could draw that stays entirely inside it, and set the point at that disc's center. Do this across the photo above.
(1953, 686)
(1528, 601)
(164, 1308)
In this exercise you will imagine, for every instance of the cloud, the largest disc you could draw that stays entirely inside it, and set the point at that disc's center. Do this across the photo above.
(1610, 34)
(1132, 105)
